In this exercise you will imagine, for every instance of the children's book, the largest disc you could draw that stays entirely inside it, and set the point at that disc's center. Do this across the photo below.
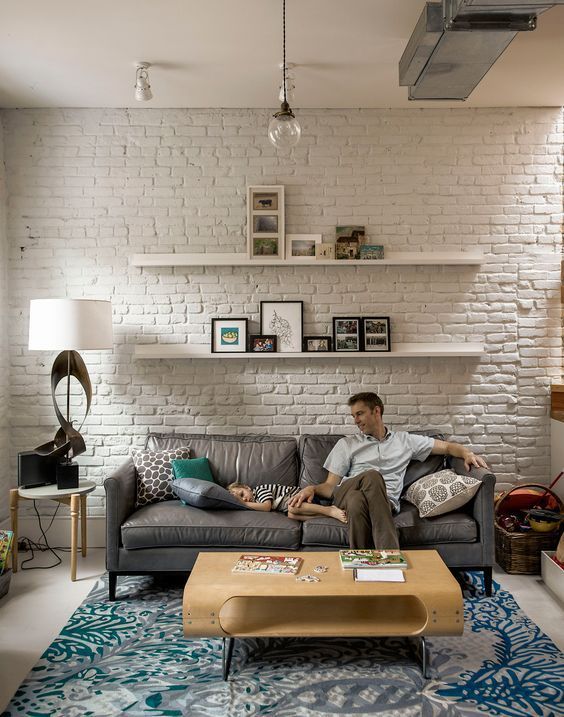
(372, 559)
(268, 564)
(5, 545)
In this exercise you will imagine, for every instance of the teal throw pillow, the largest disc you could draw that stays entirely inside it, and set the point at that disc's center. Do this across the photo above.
(192, 468)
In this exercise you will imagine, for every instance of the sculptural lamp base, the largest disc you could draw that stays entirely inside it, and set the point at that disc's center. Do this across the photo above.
(67, 475)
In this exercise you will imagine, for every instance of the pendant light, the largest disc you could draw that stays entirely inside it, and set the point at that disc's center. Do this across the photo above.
(284, 130)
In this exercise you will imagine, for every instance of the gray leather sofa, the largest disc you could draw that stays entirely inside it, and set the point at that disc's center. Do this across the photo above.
(167, 537)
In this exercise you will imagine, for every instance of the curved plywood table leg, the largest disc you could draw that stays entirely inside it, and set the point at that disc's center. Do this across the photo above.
(74, 508)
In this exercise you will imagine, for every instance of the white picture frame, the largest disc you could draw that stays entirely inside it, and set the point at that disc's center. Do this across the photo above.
(301, 247)
(265, 222)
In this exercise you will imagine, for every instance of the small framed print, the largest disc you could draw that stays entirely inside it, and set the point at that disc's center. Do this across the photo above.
(265, 222)
(376, 333)
(302, 247)
(348, 242)
(346, 333)
(265, 343)
(285, 319)
(317, 343)
(325, 251)
(229, 335)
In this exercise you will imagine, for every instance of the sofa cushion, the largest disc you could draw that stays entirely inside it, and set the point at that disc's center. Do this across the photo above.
(245, 459)
(426, 532)
(441, 492)
(172, 524)
(205, 495)
(413, 530)
(154, 473)
(192, 468)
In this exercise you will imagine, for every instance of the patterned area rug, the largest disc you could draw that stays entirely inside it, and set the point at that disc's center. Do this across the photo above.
(129, 658)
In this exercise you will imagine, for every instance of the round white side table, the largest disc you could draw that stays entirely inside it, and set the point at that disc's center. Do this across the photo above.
(74, 497)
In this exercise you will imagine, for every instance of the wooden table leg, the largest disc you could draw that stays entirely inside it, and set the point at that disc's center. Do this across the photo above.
(83, 524)
(14, 499)
(74, 505)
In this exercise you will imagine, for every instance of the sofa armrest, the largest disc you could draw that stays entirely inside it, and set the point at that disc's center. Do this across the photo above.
(120, 489)
(482, 506)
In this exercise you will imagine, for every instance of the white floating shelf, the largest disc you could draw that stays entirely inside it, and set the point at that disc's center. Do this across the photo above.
(415, 258)
(186, 351)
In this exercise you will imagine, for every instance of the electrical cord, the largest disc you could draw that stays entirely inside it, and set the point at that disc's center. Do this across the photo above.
(41, 546)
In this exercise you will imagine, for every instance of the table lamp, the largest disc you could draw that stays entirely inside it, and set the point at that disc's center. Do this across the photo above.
(68, 325)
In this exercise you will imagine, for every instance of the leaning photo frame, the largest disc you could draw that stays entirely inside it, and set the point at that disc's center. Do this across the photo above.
(376, 333)
(346, 333)
(265, 222)
(229, 335)
(285, 319)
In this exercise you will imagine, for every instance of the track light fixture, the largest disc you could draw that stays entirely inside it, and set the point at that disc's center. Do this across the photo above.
(142, 86)
(284, 130)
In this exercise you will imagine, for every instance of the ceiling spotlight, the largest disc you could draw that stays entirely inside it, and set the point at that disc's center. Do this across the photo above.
(142, 86)
(284, 130)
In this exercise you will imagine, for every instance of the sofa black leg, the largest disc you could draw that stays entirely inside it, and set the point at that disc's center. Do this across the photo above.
(488, 581)
(112, 585)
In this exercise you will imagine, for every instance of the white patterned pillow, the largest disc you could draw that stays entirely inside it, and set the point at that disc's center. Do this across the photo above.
(441, 492)
(154, 474)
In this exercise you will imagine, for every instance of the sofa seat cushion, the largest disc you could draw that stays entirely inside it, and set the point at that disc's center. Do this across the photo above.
(245, 459)
(324, 532)
(455, 527)
(173, 524)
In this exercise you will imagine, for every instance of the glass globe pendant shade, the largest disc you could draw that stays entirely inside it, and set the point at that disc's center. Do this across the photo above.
(284, 130)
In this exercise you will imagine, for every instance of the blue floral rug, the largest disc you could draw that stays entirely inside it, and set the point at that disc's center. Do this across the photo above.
(129, 658)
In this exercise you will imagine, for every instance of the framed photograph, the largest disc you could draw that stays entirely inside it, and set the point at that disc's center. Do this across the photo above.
(265, 200)
(284, 319)
(263, 343)
(346, 333)
(302, 247)
(348, 242)
(371, 251)
(317, 343)
(376, 333)
(229, 335)
(265, 222)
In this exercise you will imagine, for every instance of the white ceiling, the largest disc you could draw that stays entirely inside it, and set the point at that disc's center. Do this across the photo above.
(226, 53)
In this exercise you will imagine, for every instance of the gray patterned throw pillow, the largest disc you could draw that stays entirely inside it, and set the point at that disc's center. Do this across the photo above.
(441, 492)
(154, 474)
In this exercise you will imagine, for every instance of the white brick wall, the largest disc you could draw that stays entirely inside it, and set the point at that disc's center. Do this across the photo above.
(88, 188)
(4, 356)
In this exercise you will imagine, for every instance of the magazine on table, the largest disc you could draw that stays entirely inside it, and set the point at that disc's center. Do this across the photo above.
(372, 559)
(367, 575)
(268, 564)
(5, 545)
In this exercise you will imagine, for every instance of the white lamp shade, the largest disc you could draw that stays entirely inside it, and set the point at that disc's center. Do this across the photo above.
(70, 324)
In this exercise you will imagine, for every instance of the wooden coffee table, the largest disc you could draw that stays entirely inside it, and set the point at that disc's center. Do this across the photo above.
(220, 603)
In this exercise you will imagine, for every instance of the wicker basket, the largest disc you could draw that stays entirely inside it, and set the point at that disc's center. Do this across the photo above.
(520, 553)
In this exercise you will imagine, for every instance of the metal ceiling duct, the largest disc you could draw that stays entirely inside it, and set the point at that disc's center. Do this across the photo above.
(456, 42)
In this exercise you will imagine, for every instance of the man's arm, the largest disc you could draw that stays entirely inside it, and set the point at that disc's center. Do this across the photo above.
(456, 450)
(325, 490)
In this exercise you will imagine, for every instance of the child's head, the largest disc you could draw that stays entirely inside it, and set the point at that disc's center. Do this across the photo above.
(241, 491)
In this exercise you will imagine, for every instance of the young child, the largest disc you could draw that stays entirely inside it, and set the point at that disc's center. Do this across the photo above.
(276, 497)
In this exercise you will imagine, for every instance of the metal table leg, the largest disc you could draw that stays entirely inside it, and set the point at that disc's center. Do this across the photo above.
(227, 655)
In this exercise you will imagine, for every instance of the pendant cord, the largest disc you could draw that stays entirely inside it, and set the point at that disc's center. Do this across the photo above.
(284, 47)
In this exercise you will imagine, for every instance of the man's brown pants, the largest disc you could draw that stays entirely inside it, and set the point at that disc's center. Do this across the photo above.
(369, 513)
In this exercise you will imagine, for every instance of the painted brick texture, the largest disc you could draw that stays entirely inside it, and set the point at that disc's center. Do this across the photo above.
(88, 188)
(4, 354)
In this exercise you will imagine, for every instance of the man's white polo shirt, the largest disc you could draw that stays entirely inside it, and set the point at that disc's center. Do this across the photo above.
(358, 453)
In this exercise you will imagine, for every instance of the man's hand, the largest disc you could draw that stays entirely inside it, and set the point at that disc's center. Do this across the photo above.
(471, 459)
(306, 494)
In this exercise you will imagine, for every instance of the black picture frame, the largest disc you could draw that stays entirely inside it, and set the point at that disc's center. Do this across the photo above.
(323, 343)
(347, 333)
(376, 333)
(285, 319)
(269, 343)
(221, 324)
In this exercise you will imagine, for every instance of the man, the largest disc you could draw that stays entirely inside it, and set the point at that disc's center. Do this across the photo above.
(366, 472)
